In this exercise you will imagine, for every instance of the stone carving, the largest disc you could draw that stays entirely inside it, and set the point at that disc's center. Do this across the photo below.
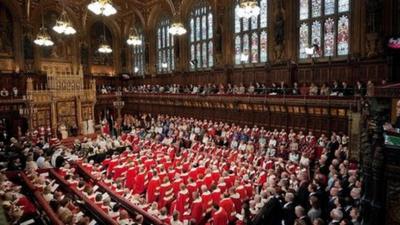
(28, 47)
(6, 32)
(279, 30)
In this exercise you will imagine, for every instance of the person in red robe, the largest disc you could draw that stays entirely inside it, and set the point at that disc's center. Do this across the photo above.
(105, 128)
(208, 179)
(192, 186)
(140, 180)
(130, 176)
(206, 199)
(153, 189)
(182, 201)
(229, 206)
(196, 212)
(215, 194)
(166, 193)
(219, 217)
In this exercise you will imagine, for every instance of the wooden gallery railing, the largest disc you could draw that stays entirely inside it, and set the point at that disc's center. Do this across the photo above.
(97, 212)
(314, 113)
(131, 208)
(41, 201)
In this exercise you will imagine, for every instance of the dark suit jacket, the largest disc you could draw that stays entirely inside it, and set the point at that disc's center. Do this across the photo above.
(270, 214)
(306, 220)
(397, 124)
(288, 214)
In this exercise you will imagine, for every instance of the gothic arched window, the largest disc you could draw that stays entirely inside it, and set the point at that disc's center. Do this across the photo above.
(201, 36)
(251, 36)
(324, 28)
(165, 47)
(138, 55)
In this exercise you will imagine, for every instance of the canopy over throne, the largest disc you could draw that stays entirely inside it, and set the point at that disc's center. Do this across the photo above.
(64, 103)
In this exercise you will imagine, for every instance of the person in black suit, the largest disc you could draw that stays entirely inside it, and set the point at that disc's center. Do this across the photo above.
(359, 89)
(336, 89)
(288, 215)
(282, 88)
(346, 89)
(303, 194)
(397, 124)
(271, 212)
(337, 216)
(301, 215)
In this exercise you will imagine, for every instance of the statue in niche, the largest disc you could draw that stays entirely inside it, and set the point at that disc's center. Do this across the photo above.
(374, 18)
(218, 45)
(279, 30)
(123, 57)
(28, 47)
(218, 37)
(84, 54)
(374, 11)
(6, 32)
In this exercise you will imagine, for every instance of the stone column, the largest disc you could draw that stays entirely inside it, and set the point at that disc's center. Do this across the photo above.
(53, 109)
(79, 121)
(354, 135)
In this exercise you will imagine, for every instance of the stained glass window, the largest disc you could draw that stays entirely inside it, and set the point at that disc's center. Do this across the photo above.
(343, 35)
(201, 33)
(324, 26)
(251, 36)
(138, 56)
(165, 48)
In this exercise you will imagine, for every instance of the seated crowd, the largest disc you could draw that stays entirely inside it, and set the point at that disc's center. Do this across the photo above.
(334, 89)
(183, 170)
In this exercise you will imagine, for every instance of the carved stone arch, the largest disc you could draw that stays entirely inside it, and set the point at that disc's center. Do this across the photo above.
(187, 7)
(110, 23)
(158, 12)
(136, 18)
(115, 31)
(14, 8)
(17, 17)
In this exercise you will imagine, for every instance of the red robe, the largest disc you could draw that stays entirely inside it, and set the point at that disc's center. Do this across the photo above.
(130, 177)
(241, 190)
(229, 206)
(196, 210)
(193, 173)
(166, 194)
(139, 186)
(28, 208)
(176, 185)
(208, 180)
(216, 196)
(153, 189)
(182, 202)
(220, 217)
(215, 175)
(238, 202)
(222, 187)
(207, 201)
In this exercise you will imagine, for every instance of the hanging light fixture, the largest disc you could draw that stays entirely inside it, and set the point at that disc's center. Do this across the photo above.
(43, 38)
(134, 39)
(102, 7)
(177, 28)
(104, 47)
(63, 25)
(248, 8)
